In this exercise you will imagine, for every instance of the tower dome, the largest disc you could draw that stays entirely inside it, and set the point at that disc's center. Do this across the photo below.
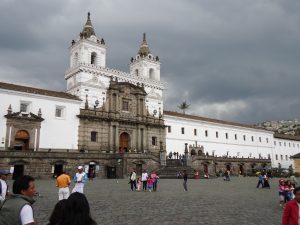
(144, 49)
(88, 29)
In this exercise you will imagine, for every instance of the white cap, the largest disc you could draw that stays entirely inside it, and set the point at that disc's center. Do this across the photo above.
(80, 167)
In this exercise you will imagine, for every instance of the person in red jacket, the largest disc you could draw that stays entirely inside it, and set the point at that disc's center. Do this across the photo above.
(292, 210)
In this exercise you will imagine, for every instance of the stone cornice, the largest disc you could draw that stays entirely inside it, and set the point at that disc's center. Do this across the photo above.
(116, 117)
(122, 76)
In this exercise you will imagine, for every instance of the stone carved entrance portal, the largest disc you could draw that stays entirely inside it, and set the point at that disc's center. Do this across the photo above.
(22, 140)
(124, 144)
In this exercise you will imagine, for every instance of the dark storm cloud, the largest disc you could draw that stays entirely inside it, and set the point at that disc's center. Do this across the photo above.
(233, 60)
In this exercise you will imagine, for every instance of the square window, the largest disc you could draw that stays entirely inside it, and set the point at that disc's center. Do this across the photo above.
(235, 136)
(59, 111)
(281, 157)
(206, 133)
(94, 135)
(169, 129)
(24, 107)
(276, 156)
(267, 140)
(226, 135)
(259, 139)
(244, 137)
(217, 134)
(125, 105)
(252, 138)
(195, 132)
(182, 130)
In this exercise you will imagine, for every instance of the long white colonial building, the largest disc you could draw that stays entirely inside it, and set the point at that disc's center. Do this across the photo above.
(228, 139)
(37, 119)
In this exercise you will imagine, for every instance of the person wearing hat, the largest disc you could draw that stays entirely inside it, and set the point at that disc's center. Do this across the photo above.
(3, 185)
(80, 178)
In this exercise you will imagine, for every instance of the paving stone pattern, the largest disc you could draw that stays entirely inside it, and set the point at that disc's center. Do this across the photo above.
(207, 202)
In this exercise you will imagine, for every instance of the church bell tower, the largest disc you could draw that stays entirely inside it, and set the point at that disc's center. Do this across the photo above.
(87, 57)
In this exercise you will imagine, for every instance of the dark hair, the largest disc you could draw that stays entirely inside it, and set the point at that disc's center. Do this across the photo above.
(296, 190)
(58, 212)
(22, 184)
(77, 211)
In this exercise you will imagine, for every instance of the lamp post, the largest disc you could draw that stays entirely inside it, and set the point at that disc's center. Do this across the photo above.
(96, 105)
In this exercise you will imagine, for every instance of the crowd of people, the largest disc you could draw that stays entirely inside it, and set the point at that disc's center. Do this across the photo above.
(147, 182)
(71, 209)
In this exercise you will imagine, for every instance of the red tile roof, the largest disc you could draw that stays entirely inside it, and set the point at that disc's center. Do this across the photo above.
(37, 91)
(177, 114)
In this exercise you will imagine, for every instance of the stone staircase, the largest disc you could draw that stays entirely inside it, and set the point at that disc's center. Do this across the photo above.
(172, 168)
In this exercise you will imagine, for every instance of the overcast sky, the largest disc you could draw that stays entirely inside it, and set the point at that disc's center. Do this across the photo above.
(236, 60)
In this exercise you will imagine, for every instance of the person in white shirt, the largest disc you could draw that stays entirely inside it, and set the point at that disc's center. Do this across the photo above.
(80, 179)
(3, 185)
(19, 203)
(133, 180)
(144, 180)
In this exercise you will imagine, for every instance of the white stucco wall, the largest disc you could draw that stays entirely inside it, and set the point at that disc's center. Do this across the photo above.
(283, 150)
(218, 145)
(56, 133)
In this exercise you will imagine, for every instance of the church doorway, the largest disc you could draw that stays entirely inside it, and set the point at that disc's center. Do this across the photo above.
(205, 167)
(21, 140)
(124, 144)
(111, 172)
(92, 170)
(58, 169)
(228, 168)
(139, 169)
(241, 172)
(18, 171)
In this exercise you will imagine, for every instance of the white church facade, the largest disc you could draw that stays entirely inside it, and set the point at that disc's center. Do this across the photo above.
(121, 115)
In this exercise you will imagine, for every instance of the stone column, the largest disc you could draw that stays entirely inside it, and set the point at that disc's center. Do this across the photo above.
(138, 141)
(7, 136)
(38, 139)
(162, 154)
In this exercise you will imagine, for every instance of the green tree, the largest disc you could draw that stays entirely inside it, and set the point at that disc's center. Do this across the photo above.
(183, 106)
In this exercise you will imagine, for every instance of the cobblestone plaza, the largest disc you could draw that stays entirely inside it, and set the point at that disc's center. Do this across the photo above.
(207, 202)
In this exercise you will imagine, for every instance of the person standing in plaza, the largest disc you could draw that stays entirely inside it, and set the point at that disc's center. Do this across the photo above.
(266, 181)
(80, 179)
(154, 179)
(3, 185)
(63, 182)
(185, 177)
(260, 181)
(292, 210)
(293, 180)
(144, 180)
(133, 180)
(18, 208)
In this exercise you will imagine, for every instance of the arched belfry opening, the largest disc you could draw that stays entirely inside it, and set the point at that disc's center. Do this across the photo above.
(152, 74)
(94, 58)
